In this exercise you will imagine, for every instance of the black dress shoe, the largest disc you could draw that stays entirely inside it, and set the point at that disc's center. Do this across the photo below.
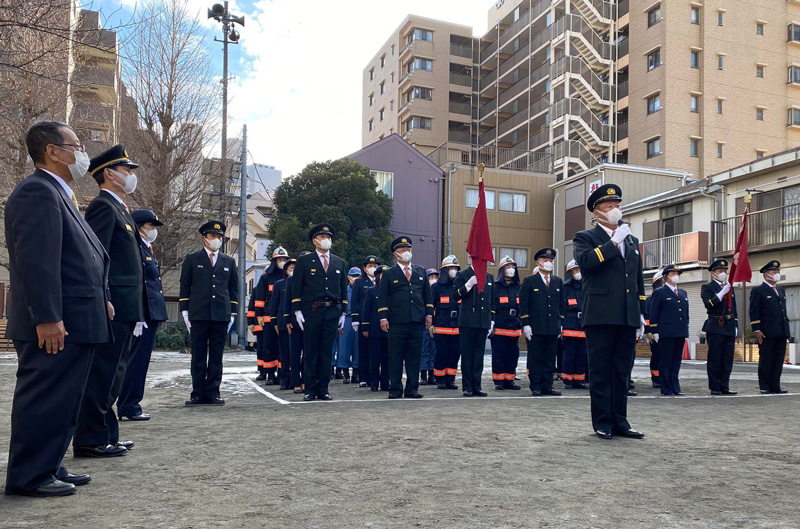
(362, 384)
(632, 393)
(195, 401)
(395, 396)
(373, 389)
(603, 434)
(729, 392)
(450, 385)
(441, 386)
(536, 393)
(99, 451)
(551, 391)
(780, 391)
(499, 387)
(764, 391)
(56, 488)
(479, 393)
(513, 386)
(77, 479)
(633, 434)
(657, 385)
(415, 395)
(716, 392)
(215, 402)
(298, 391)
(127, 445)
(679, 394)
(261, 376)
(140, 417)
(324, 397)
(579, 385)
(423, 380)
(466, 393)
(308, 398)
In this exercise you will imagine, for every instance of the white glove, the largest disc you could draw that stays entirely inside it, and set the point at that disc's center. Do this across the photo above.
(491, 328)
(620, 233)
(471, 283)
(655, 337)
(560, 330)
(528, 332)
(639, 333)
(298, 314)
(736, 332)
(341, 321)
(231, 323)
(186, 320)
(140, 326)
(725, 290)
(355, 326)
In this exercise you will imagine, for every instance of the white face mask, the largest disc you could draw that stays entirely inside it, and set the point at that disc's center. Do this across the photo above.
(404, 257)
(612, 217)
(547, 266)
(78, 169)
(674, 279)
(150, 235)
(214, 244)
(432, 281)
(775, 277)
(452, 273)
(130, 181)
(577, 276)
(290, 272)
(510, 271)
(280, 265)
(371, 271)
(325, 244)
(722, 276)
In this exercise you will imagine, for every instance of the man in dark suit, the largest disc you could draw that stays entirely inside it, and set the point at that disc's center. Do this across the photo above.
(543, 307)
(613, 311)
(319, 303)
(405, 306)
(475, 323)
(132, 390)
(59, 311)
(770, 324)
(209, 297)
(721, 328)
(669, 324)
(97, 433)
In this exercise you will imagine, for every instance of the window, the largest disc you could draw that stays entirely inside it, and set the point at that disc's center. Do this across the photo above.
(759, 155)
(548, 19)
(385, 182)
(392, 77)
(472, 199)
(520, 255)
(381, 114)
(794, 117)
(654, 59)
(420, 34)
(391, 104)
(392, 49)
(653, 147)
(96, 135)
(694, 59)
(419, 92)
(676, 219)
(654, 16)
(759, 28)
(760, 72)
(794, 75)
(794, 33)
(719, 150)
(420, 64)
(516, 13)
(695, 16)
(720, 62)
(371, 74)
(719, 106)
(371, 99)
(694, 147)
(371, 125)
(760, 114)
(418, 122)
(694, 102)
(719, 18)
(515, 202)
(383, 87)
(383, 61)
(654, 103)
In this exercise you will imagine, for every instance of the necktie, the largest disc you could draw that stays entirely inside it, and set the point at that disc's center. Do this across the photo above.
(211, 256)
(676, 291)
(75, 201)
(408, 274)
(547, 280)
(126, 207)
(325, 263)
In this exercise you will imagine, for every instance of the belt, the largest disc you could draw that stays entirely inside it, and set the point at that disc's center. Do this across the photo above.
(317, 304)
(726, 317)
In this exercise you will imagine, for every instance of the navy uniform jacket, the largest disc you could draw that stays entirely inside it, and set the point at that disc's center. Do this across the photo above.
(279, 306)
(542, 307)
(156, 306)
(768, 311)
(505, 304)
(573, 295)
(288, 292)
(648, 303)
(117, 232)
(445, 306)
(264, 289)
(407, 301)
(311, 283)
(360, 287)
(59, 270)
(669, 314)
(209, 294)
(476, 307)
(370, 321)
(613, 287)
(717, 309)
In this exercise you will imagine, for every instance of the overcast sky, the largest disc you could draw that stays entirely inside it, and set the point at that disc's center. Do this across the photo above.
(298, 69)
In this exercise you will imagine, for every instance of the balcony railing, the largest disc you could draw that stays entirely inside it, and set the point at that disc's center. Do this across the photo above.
(573, 149)
(578, 66)
(515, 28)
(622, 90)
(460, 50)
(491, 157)
(91, 75)
(460, 108)
(676, 249)
(623, 48)
(623, 8)
(768, 229)
(576, 107)
(460, 79)
(578, 24)
(93, 113)
(622, 130)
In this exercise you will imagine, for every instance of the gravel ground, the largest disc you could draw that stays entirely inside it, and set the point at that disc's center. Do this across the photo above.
(267, 459)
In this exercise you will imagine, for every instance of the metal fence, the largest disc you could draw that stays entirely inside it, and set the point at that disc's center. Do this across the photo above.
(659, 252)
(764, 228)
(492, 157)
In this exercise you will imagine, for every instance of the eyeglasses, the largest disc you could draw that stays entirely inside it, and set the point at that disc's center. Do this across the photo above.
(80, 147)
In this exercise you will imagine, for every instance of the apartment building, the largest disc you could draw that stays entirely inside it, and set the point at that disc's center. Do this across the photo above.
(419, 85)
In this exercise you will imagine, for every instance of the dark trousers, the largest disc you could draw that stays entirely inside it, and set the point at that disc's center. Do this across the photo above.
(473, 347)
(611, 350)
(559, 367)
(671, 354)
(771, 354)
(542, 361)
(132, 391)
(378, 347)
(97, 422)
(720, 361)
(285, 356)
(505, 357)
(574, 360)
(364, 360)
(296, 348)
(405, 347)
(655, 361)
(44, 412)
(448, 351)
(271, 349)
(261, 351)
(208, 345)
(318, 350)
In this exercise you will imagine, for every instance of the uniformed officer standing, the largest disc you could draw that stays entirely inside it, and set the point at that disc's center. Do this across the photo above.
(771, 326)
(97, 433)
(445, 325)
(377, 338)
(296, 338)
(132, 392)
(406, 309)
(721, 328)
(279, 316)
(655, 356)
(428, 344)
(573, 335)
(267, 350)
(613, 309)
(319, 302)
(361, 373)
(475, 323)
(542, 306)
(507, 325)
(209, 295)
(669, 321)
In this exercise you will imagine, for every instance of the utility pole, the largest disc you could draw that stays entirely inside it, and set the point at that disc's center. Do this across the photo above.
(242, 327)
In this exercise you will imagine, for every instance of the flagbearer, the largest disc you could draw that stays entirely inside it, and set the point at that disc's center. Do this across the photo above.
(445, 325)
(655, 354)
(573, 336)
(507, 326)
(669, 322)
(475, 323)
(771, 327)
(721, 327)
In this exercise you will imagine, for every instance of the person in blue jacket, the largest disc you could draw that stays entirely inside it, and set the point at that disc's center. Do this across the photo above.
(360, 286)
(428, 344)
(347, 341)
(669, 323)
(377, 338)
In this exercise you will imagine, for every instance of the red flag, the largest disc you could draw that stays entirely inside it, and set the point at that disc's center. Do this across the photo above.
(740, 268)
(479, 246)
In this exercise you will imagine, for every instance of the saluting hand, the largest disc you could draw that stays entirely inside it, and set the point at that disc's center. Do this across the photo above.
(51, 336)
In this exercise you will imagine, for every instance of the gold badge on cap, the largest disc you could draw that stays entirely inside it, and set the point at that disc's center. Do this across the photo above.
(125, 153)
(403, 240)
(724, 263)
(217, 226)
(549, 252)
(324, 228)
(611, 191)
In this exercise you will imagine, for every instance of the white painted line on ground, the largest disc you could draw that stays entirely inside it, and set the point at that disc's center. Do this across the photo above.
(264, 391)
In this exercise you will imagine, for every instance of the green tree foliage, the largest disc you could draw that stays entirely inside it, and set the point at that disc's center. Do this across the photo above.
(342, 193)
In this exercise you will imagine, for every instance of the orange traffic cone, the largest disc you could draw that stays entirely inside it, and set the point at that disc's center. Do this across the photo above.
(686, 355)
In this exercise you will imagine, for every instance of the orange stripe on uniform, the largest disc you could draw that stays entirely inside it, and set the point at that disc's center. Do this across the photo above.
(508, 332)
(566, 376)
(446, 330)
(498, 376)
(573, 334)
(251, 314)
(452, 371)
(260, 304)
(439, 373)
(578, 378)
(654, 372)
